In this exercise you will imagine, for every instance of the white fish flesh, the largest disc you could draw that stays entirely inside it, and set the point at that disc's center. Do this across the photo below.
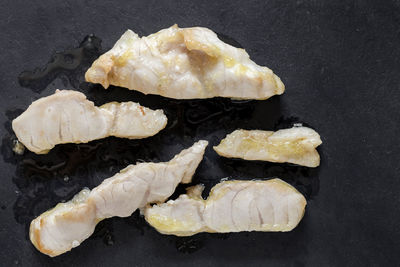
(232, 206)
(68, 117)
(68, 224)
(183, 63)
(294, 145)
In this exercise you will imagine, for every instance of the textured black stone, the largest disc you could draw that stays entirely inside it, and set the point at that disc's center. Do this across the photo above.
(339, 61)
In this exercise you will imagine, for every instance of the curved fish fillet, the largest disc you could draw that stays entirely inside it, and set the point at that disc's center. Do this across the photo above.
(183, 63)
(68, 117)
(68, 224)
(232, 206)
(295, 145)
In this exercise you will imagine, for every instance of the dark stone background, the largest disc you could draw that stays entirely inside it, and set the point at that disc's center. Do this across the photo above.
(339, 61)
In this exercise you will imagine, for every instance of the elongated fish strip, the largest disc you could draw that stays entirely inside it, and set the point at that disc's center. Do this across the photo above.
(295, 145)
(232, 206)
(68, 224)
(68, 117)
(183, 63)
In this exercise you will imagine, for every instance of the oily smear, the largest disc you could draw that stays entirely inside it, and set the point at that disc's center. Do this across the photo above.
(42, 181)
(69, 64)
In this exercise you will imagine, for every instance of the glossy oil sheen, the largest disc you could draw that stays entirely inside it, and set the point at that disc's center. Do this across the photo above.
(44, 180)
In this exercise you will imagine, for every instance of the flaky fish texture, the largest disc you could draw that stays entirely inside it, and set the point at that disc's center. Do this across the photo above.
(294, 145)
(68, 224)
(183, 63)
(232, 206)
(68, 117)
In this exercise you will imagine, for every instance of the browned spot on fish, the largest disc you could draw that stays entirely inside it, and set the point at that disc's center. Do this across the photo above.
(142, 110)
(37, 243)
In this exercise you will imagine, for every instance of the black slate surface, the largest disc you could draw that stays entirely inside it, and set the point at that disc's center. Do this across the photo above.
(339, 61)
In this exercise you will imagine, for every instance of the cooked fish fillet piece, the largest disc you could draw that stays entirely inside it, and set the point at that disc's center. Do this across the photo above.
(183, 63)
(68, 224)
(68, 117)
(232, 206)
(295, 145)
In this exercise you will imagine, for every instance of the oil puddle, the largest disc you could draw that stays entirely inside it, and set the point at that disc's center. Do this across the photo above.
(104, 231)
(190, 244)
(229, 40)
(42, 181)
(69, 65)
(45, 180)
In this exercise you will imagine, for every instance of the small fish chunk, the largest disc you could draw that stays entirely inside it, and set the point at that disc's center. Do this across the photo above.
(294, 145)
(68, 117)
(68, 224)
(232, 206)
(183, 63)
